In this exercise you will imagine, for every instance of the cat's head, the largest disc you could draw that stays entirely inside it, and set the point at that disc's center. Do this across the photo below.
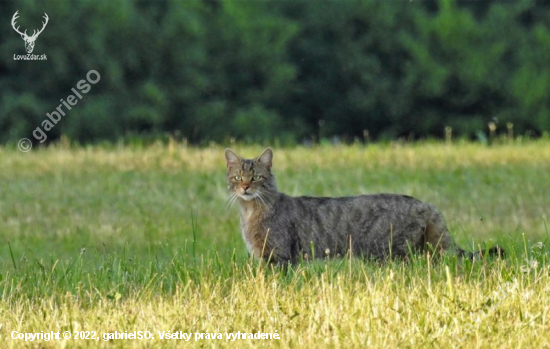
(250, 179)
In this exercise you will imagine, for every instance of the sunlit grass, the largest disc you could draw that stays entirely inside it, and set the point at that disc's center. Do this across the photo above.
(140, 239)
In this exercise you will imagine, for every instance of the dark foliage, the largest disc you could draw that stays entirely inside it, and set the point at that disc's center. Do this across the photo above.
(288, 70)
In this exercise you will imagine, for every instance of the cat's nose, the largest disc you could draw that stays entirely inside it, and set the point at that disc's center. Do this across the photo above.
(245, 187)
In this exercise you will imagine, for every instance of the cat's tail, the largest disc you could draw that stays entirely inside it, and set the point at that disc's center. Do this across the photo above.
(495, 251)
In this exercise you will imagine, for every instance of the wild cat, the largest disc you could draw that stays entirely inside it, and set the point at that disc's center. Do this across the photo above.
(285, 229)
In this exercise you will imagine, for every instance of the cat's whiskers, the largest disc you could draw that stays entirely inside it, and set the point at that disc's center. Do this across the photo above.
(262, 199)
(258, 203)
(231, 199)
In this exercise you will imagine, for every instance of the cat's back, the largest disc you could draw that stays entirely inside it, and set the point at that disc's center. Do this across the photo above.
(351, 214)
(374, 202)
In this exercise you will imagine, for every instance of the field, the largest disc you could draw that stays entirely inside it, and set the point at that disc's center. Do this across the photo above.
(99, 240)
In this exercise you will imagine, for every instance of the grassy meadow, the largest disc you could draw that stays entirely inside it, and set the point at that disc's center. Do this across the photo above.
(95, 240)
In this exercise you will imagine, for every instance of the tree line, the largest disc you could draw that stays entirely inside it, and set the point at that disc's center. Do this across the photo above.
(258, 70)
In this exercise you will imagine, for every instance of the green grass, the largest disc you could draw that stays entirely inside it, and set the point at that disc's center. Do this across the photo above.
(126, 239)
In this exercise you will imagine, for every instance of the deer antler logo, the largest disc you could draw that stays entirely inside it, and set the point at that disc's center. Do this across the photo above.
(29, 40)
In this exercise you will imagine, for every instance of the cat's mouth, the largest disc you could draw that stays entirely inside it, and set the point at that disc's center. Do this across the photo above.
(247, 196)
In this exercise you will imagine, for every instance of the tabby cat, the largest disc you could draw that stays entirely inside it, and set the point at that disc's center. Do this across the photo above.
(285, 229)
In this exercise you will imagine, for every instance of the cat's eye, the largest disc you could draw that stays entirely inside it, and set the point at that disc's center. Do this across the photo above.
(238, 178)
(256, 178)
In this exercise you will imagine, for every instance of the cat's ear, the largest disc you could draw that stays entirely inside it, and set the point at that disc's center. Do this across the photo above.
(231, 158)
(266, 158)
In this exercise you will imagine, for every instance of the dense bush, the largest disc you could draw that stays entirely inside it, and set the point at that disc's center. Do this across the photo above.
(261, 70)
